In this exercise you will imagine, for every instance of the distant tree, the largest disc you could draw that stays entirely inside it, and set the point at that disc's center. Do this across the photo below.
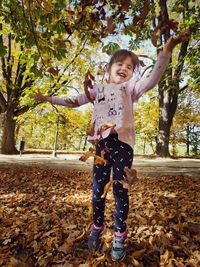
(35, 35)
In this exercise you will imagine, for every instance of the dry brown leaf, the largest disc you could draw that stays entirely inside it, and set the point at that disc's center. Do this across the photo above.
(136, 254)
(110, 25)
(99, 160)
(164, 259)
(48, 219)
(89, 153)
(131, 176)
(53, 71)
(91, 129)
(107, 188)
(140, 19)
(88, 84)
(105, 127)
(141, 219)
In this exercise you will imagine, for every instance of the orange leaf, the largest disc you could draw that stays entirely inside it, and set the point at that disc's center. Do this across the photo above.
(90, 131)
(104, 127)
(106, 188)
(88, 154)
(99, 160)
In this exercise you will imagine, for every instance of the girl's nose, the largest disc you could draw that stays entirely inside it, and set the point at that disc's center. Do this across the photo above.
(124, 67)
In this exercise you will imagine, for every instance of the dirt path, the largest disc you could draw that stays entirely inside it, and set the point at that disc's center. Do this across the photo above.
(145, 167)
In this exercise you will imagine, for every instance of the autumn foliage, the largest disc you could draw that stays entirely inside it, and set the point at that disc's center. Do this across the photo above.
(46, 214)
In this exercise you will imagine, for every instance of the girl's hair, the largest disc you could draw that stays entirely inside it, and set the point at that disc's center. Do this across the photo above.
(122, 54)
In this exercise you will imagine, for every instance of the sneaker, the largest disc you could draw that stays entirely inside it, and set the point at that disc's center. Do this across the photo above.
(94, 240)
(118, 253)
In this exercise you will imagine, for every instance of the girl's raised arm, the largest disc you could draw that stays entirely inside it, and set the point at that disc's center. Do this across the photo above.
(146, 84)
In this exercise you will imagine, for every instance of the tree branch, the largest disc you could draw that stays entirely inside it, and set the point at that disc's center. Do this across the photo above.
(3, 103)
(20, 76)
(71, 62)
(181, 60)
(183, 88)
(18, 65)
(9, 65)
(21, 111)
(2, 58)
(26, 85)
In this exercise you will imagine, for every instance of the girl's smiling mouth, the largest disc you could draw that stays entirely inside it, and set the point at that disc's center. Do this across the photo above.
(122, 74)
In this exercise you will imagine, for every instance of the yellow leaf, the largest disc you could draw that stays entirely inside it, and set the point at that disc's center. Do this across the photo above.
(138, 253)
(141, 219)
(135, 262)
(164, 259)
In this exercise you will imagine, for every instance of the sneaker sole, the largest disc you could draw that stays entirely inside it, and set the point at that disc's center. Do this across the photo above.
(121, 259)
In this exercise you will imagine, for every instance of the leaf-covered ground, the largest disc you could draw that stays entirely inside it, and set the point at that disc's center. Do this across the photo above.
(45, 216)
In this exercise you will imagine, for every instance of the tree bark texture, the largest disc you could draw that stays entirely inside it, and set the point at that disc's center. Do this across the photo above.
(8, 136)
(169, 89)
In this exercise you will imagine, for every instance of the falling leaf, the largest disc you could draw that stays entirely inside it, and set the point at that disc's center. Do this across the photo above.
(97, 159)
(105, 127)
(107, 188)
(88, 84)
(126, 5)
(100, 160)
(89, 153)
(154, 34)
(131, 176)
(110, 25)
(53, 71)
(91, 129)
(140, 19)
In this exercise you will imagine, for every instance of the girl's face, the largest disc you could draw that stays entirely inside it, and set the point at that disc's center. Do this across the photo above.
(121, 71)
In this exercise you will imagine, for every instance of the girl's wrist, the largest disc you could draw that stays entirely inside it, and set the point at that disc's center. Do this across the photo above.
(45, 98)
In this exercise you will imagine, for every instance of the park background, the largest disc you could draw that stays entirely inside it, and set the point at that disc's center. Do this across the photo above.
(51, 46)
(46, 211)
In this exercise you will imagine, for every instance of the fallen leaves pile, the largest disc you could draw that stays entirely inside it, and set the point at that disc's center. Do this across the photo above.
(45, 217)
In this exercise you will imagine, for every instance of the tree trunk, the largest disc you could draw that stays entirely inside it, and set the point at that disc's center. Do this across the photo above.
(1, 127)
(8, 136)
(188, 140)
(162, 146)
(167, 108)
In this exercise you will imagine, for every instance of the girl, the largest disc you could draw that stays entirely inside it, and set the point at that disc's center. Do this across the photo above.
(113, 104)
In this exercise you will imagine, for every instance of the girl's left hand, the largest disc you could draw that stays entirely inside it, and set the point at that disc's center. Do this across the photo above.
(172, 42)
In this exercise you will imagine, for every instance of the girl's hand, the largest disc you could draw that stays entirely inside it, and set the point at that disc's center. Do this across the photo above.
(39, 96)
(172, 42)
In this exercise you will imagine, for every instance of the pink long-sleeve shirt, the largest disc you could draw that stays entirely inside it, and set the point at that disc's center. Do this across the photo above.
(113, 103)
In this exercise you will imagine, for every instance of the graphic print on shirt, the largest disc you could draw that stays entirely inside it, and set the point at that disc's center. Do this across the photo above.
(112, 111)
(111, 97)
(100, 94)
(120, 109)
(109, 105)
(122, 88)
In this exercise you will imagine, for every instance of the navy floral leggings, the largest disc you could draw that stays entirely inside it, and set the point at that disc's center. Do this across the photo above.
(118, 156)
